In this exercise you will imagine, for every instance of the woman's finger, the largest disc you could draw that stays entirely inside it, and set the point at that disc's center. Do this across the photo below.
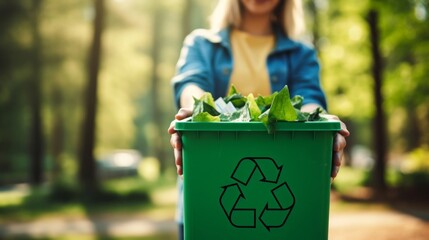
(183, 113)
(344, 131)
(334, 173)
(171, 129)
(176, 141)
(340, 142)
(337, 158)
(178, 160)
(338, 148)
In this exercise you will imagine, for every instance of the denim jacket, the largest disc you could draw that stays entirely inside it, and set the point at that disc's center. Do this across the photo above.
(206, 60)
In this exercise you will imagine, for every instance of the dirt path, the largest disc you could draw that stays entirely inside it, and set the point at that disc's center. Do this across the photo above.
(377, 225)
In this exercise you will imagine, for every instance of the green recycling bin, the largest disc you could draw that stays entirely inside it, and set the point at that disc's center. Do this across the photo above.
(240, 182)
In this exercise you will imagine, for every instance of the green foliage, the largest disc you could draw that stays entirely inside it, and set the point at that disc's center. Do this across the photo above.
(417, 161)
(345, 59)
(254, 109)
(406, 46)
(204, 109)
(64, 191)
(349, 179)
(126, 195)
(281, 108)
(69, 191)
(246, 109)
(414, 180)
(346, 66)
(14, 79)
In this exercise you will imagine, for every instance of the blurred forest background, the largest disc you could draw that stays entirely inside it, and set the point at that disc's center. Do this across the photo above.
(81, 80)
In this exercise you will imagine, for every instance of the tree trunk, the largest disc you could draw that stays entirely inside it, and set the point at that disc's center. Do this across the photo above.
(378, 179)
(36, 141)
(87, 166)
(156, 106)
(57, 134)
(413, 132)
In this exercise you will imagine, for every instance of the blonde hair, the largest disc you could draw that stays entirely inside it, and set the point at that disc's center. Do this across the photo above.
(288, 14)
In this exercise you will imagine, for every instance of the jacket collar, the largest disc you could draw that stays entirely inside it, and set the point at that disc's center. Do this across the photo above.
(223, 37)
(283, 42)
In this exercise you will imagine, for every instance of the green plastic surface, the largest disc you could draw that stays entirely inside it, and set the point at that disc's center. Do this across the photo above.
(242, 183)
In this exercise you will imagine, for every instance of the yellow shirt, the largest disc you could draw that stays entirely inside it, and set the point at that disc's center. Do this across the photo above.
(250, 72)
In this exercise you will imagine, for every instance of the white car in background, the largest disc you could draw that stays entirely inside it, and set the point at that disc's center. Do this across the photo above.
(119, 163)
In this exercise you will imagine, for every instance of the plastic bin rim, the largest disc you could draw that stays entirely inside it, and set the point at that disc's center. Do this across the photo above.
(187, 125)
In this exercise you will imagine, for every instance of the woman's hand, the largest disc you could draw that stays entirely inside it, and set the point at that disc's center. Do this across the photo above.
(339, 145)
(175, 139)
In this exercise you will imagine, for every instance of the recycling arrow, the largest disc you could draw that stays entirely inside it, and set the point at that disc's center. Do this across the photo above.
(239, 217)
(229, 198)
(247, 166)
(276, 217)
(270, 216)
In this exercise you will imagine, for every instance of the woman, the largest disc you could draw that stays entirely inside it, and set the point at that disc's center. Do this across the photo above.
(250, 46)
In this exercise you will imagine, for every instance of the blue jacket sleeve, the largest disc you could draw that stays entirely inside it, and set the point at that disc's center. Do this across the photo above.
(306, 77)
(192, 66)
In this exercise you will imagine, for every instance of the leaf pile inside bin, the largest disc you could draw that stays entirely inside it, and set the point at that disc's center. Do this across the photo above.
(277, 107)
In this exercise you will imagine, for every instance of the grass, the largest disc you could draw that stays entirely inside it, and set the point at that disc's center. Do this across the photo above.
(131, 195)
(349, 179)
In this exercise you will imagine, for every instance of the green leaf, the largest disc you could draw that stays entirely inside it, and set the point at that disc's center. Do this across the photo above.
(204, 109)
(235, 98)
(253, 108)
(264, 117)
(302, 116)
(297, 101)
(208, 98)
(264, 102)
(269, 123)
(198, 106)
(315, 115)
(201, 106)
(232, 91)
(268, 110)
(282, 109)
(205, 117)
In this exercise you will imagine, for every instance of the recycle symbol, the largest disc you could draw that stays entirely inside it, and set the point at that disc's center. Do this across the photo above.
(276, 205)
